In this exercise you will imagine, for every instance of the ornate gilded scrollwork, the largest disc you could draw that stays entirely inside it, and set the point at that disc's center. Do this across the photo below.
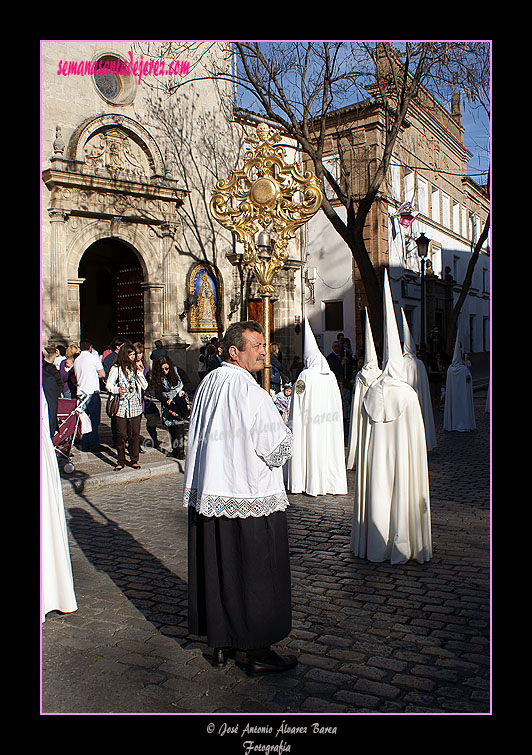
(266, 193)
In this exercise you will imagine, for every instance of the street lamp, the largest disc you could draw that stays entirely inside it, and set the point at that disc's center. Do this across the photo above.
(270, 194)
(423, 244)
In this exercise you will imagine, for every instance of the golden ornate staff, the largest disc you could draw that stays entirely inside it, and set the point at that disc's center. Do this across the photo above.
(270, 194)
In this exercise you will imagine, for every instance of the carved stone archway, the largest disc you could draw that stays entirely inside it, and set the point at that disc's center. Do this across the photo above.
(144, 242)
(110, 182)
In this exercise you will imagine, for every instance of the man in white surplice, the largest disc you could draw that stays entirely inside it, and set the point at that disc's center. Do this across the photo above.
(239, 570)
(391, 514)
(416, 376)
(317, 465)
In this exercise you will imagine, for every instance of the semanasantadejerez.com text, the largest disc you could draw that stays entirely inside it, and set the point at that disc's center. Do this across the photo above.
(137, 68)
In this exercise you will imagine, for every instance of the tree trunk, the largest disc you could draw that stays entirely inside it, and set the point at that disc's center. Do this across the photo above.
(466, 285)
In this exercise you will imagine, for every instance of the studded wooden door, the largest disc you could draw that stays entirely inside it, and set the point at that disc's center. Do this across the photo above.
(129, 304)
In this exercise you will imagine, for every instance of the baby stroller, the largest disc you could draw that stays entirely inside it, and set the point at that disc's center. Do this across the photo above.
(68, 416)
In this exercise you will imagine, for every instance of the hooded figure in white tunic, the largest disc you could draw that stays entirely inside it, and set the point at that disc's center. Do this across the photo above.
(391, 515)
(317, 466)
(369, 372)
(239, 591)
(57, 581)
(416, 376)
(459, 410)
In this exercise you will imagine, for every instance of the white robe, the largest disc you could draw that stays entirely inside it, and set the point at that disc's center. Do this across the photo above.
(391, 515)
(416, 376)
(459, 410)
(317, 466)
(237, 444)
(370, 371)
(363, 381)
(57, 585)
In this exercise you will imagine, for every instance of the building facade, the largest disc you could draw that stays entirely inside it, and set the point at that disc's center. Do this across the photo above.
(128, 246)
(427, 190)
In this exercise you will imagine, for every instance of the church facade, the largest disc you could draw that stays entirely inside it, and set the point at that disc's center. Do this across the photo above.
(129, 160)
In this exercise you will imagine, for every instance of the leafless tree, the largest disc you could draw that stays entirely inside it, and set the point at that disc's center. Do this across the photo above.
(466, 65)
(298, 85)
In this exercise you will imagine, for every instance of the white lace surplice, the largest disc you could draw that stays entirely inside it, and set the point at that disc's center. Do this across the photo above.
(237, 444)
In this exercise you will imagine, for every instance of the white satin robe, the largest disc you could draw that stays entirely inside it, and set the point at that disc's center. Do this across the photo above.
(363, 381)
(459, 410)
(317, 466)
(416, 376)
(391, 515)
(57, 583)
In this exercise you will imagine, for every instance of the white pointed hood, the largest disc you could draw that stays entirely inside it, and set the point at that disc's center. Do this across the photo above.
(457, 356)
(409, 347)
(370, 369)
(387, 397)
(457, 364)
(393, 354)
(312, 356)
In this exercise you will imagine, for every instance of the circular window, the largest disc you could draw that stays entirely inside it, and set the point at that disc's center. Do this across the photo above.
(112, 81)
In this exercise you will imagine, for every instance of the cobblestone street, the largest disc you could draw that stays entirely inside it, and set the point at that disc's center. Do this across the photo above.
(370, 638)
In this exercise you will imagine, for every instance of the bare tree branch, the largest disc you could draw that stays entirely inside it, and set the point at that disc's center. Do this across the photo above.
(299, 86)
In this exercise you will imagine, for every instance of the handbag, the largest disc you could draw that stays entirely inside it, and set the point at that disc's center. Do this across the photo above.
(179, 407)
(113, 402)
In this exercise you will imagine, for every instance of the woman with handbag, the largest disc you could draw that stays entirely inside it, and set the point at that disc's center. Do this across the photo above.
(126, 380)
(167, 386)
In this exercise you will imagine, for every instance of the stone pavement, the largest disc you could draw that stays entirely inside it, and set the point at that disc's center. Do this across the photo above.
(370, 638)
(93, 471)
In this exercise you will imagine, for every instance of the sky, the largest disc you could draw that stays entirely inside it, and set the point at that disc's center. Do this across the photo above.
(476, 140)
(476, 137)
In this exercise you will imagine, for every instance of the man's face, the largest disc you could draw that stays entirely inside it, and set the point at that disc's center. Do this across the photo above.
(252, 356)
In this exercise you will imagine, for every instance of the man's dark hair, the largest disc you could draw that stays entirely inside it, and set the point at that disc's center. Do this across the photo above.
(234, 336)
(85, 344)
(117, 341)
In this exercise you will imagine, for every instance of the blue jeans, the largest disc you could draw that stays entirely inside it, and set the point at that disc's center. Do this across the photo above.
(90, 441)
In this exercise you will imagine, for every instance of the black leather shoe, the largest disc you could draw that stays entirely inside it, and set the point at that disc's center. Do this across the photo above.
(267, 662)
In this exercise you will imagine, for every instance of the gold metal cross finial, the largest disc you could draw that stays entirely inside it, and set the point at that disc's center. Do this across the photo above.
(268, 194)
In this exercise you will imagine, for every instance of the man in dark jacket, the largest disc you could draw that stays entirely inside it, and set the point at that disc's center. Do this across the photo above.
(110, 359)
(335, 361)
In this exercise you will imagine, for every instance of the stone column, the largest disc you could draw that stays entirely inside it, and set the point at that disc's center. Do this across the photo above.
(170, 305)
(75, 309)
(58, 280)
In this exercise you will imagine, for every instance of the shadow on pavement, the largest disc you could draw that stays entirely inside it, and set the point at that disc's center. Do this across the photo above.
(145, 581)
